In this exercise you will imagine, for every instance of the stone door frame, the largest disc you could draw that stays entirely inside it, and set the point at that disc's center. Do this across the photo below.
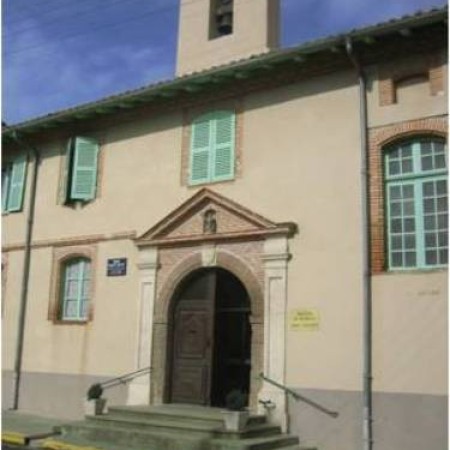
(258, 257)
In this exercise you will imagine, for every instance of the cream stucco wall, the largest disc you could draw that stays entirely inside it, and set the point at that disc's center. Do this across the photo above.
(410, 328)
(106, 345)
(301, 163)
(414, 102)
(305, 177)
(136, 161)
(10, 311)
(255, 31)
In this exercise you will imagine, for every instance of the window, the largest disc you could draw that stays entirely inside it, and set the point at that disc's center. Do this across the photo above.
(212, 148)
(75, 289)
(13, 184)
(72, 285)
(221, 18)
(81, 169)
(417, 209)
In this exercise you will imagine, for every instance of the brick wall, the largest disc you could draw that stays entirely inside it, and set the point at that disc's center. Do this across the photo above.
(378, 139)
(390, 75)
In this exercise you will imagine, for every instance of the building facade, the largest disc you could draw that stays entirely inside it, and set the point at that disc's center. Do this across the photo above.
(282, 214)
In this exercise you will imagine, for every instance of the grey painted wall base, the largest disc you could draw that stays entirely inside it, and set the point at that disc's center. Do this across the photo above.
(401, 421)
(410, 421)
(56, 395)
(322, 431)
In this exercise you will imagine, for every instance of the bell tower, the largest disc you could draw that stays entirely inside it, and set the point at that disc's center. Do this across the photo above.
(214, 32)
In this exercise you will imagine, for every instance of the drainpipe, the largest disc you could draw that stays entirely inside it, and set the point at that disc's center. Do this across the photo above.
(367, 280)
(26, 269)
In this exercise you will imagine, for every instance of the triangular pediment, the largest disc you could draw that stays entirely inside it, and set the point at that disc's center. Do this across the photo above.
(208, 216)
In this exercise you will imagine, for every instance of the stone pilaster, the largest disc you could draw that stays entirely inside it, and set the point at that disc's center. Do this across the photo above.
(139, 388)
(275, 259)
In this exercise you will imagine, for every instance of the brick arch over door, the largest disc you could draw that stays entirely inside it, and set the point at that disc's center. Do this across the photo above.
(241, 270)
(225, 260)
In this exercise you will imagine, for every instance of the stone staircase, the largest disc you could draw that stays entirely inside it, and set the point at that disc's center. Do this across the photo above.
(169, 427)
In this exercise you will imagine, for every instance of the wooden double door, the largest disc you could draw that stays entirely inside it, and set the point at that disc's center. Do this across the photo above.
(210, 339)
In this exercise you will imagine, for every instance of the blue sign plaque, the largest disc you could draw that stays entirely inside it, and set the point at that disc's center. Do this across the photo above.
(117, 267)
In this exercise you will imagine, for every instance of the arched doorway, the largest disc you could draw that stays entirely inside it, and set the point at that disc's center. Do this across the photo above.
(209, 345)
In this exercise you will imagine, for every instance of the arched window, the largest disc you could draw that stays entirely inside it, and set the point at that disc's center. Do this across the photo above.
(416, 203)
(75, 289)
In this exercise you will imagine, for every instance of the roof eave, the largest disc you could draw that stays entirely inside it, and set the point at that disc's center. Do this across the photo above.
(191, 82)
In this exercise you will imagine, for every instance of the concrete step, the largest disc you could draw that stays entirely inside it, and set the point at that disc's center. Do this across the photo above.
(78, 443)
(176, 412)
(133, 437)
(198, 417)
(297, 447)
(261, 443)
(154, 424)
(62, 443)
(252, 431)
(169, 427)
(83, 444)
(257, 419)
(194, 427)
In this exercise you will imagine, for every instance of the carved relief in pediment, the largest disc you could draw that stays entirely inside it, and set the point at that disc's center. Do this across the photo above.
(209, 216)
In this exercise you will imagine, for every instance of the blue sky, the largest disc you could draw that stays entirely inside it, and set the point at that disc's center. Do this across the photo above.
(61, 53)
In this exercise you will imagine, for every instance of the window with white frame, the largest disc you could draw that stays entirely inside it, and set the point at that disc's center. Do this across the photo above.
(416, 203)
(75, 289)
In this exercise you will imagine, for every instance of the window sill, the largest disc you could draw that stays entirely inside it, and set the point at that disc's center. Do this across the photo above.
(411, 271)
(71, 322)
(77, 205)
(208, 183)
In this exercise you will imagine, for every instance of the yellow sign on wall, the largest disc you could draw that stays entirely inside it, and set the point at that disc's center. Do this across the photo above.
(304, 320)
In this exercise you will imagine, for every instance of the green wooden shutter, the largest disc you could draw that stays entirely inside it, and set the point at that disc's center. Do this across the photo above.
(224, 132)
(67, 175)
(6, 180)
(200, 151)
(84, 169)
(17, 184)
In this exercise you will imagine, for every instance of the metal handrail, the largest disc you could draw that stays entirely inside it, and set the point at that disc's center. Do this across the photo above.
(95, 391)
(298, 397)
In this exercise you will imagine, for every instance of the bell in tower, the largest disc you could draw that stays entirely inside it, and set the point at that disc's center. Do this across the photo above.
(224, 17)
(216, 32)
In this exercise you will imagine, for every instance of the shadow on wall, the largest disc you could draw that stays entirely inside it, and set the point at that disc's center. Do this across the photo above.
(56, 395)
(317, 429)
